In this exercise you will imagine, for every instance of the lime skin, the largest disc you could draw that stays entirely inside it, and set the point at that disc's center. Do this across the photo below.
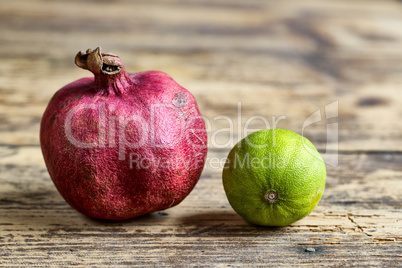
(274, 177)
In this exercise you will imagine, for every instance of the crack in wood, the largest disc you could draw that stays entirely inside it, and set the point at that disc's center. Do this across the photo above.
(358, 226)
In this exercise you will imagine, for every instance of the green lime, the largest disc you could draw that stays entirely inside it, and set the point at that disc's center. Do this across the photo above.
(274, 177)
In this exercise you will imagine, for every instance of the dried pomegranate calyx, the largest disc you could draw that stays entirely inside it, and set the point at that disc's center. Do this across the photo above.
(108, 69)
(98, 62)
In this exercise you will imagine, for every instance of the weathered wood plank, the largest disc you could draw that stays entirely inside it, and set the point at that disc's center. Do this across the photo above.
(280, 60)
(299, 60)
(358, 222)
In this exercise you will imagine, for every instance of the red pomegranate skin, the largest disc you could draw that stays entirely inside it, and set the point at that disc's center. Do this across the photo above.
(120, 145)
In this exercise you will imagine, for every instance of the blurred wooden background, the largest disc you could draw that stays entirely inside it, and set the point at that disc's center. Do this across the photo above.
(281, 60)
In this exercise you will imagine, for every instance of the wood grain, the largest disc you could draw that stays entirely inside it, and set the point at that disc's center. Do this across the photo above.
(356, 223)
(280, 60)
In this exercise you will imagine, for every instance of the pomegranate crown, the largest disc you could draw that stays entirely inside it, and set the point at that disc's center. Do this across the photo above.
(98, 62)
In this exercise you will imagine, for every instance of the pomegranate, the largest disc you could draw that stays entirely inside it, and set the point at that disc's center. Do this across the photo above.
(120, 145)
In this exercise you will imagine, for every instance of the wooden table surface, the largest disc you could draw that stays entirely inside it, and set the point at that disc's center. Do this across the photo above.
(340, 61)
